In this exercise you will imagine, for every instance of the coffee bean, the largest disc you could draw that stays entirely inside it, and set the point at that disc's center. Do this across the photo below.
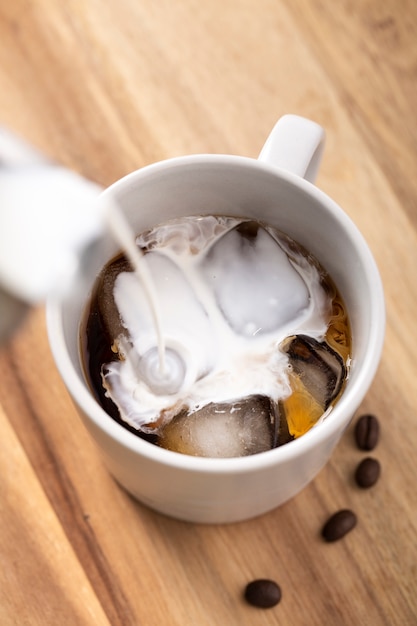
(367, 432)
(263, 593)
(339, 525)
(367, 472)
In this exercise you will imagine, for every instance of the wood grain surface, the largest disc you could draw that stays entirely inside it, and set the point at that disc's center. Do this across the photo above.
(106, 87)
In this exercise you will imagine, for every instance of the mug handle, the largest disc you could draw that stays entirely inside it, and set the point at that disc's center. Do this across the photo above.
(295, 144)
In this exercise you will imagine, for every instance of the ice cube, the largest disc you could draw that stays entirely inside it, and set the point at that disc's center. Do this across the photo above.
(135, 384)
(106, 304)
(300, 411)
(256, 287)
(183, 321)
(320, 369)
(223, 430)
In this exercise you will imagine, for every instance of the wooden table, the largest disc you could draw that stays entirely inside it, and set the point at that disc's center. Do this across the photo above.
(107, 87)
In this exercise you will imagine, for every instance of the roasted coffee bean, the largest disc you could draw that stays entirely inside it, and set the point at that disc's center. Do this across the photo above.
(367, 472)
(367, 432)
(263, 593)
(339, 525)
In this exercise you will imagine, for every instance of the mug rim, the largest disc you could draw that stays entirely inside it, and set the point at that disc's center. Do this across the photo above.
(78, 388)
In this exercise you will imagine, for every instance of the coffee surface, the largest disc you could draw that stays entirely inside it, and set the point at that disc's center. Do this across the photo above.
(256, 334)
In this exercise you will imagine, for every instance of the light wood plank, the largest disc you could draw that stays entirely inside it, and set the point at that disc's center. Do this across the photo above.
(41, 578)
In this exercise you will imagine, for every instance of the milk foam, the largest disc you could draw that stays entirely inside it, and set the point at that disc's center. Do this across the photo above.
(225, 306)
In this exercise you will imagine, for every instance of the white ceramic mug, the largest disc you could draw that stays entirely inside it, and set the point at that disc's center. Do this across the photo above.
(276, 188)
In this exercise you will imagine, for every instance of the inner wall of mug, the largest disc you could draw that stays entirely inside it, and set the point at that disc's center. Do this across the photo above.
(237, 186)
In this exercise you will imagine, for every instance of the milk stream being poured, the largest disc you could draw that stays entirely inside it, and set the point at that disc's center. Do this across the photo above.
(219, 315)
(122, 233)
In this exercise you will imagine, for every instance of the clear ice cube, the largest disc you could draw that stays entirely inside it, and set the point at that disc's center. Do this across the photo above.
(256, 287)
(223, 430)
(319, 368)
(106, 305)
(183, 321)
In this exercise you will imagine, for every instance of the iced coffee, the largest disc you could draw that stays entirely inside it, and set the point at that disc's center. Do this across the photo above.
(256, 339)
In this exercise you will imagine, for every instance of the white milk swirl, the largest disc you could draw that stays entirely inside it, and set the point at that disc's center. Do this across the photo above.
(226, 302)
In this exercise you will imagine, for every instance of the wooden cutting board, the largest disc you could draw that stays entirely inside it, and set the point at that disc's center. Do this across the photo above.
(105, 88)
